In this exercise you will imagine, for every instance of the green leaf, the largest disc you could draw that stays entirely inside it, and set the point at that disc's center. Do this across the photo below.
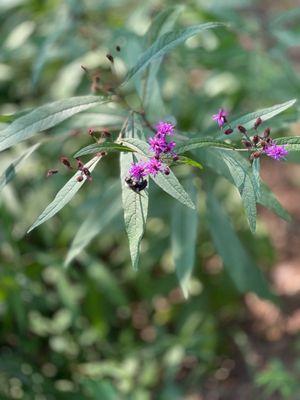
(292, 143)
(108, 207)
(164, 44)
(106, 146)
(193, 144)
(256, 176)
(135, 205)
(45, 117)
(268, 200)
(171, 185)
(242, 177)
(183, 239)
(137, 145)
(188, 161)
(65, 195)
(11, 171)
(241, 269)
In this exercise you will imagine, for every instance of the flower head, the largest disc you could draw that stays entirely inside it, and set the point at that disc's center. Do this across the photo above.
(220, 117)
(138, 170)
(157, 144)
(275, 151)
(154, 166)
(164, 128)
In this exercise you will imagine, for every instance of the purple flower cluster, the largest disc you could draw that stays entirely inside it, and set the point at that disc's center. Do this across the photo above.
(159, 145)
(275, 151)
(220, 117)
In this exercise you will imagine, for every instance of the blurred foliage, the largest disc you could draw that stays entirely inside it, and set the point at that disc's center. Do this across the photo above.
(99, 330)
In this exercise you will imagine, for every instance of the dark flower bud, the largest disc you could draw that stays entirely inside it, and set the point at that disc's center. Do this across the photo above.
(79, 164)
(269, 140)
(79, 178)
(91, 131)
(110, 58)
(255, 139)
(263, 143)
(257, 123)
(175, 157)
(105, 132)
(228, 131)
(51, 172)
(103, 153)
(242, 129)
(267, 132)
(86, 171)
(167, 171)
(118, 48)
(247, 143)
(65, 161)
(256, 154)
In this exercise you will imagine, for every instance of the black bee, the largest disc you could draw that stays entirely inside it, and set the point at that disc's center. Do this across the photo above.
(136, 186)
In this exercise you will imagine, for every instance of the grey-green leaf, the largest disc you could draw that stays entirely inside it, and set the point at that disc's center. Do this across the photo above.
(171, 185)
(268, 200)
(165, 43)
(237, 263)
(135, 205)
(184, 238)
(45, 117)
(11, 170)
(256, 176)
(65, 195)
(292, 143)
(198, 143)
(108, 207)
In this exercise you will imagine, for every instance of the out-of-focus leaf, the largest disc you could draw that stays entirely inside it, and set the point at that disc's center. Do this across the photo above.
(184, 238)
(108, 207)
(11, 171)
(106, 146)
(137, 145)
(242, 270)
(135, 205)
(65, 195)
(189, 161)
(165, 43)
(45, 117)
(201, 142)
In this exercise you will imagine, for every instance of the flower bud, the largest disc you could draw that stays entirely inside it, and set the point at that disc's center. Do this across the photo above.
(255, 139)
(118, 48)
(79, 178)
(65, 161)
(257, 123)
(242, 129)
(228, 131)
(167, 171)
(51, 172)
(256, 154)
(267, 132)
(247, 143)
(110, 58)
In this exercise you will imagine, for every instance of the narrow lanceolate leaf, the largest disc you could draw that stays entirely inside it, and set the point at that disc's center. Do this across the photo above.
(244, 181)
(189, 161)
(268, 200)
(108, 207)
(165, 43)
(292, 143)
(242, 270)
(45, 117)
(248, 120)
(135, 205)
(137, 145)
(65, 195)
(171, 185)
(108, 147)
(193, 144)
(11, 171)
(183, 239)
(256, 176)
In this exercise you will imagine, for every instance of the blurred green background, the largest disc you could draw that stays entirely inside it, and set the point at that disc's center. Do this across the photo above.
(99, 330)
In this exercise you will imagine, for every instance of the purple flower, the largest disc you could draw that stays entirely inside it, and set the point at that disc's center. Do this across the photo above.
(220, 117)
(157, 144)
(154, 166)
(275, 151)
(138, 170)
(164, 128)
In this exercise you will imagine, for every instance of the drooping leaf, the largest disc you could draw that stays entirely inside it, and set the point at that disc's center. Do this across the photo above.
(268, 200)
(184, 238)
(201, 142)
(171, 185)
(106, 146)
(189, 161)
(165, 43)
(237, 263)
(11, 170)
(65, 195)
(108, 207)
(256, 176)
(45, 117)
(135, 205)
